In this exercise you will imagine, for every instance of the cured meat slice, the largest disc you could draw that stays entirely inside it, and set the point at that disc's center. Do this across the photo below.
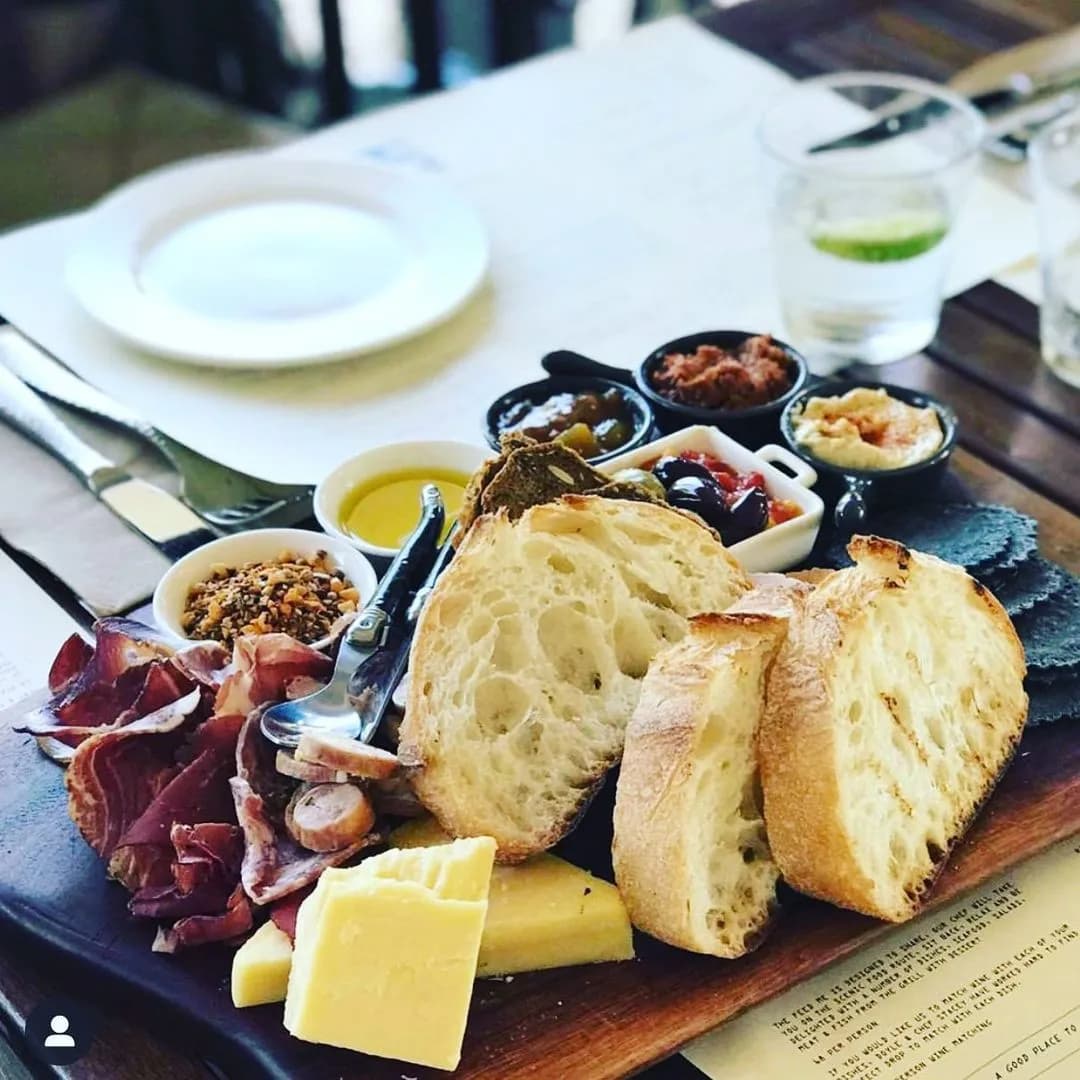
(70, 663)
(205, 871)
(284, 911)
(275, 865)
(202, 929)
(114, 775)
(262, 669)
(198, 792)
(205, 662)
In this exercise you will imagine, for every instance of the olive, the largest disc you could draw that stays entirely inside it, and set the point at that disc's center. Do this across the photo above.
(670, 469)
(612, 433)
(747, 516)
(641, 477)
(579, 437)
(702, 495)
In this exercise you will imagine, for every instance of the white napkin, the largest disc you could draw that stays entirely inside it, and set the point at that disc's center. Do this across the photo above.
(47, 513)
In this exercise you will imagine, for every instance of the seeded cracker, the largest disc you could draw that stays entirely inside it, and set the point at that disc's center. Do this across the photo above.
(1058, 699)
(1050, 632)
(977, 537)
(1026, 585)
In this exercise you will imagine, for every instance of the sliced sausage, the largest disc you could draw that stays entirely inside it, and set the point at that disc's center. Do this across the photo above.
(328, 817)
(287, 765)
(348, 755)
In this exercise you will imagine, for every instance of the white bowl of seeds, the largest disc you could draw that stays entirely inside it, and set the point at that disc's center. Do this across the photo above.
(293, 581)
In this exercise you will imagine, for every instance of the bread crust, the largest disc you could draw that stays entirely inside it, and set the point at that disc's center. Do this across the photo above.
(658, 851)
(801, 736)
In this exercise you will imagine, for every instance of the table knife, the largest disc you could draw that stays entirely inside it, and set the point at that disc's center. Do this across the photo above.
(148, 510)
(1020, 90)
(224, 497)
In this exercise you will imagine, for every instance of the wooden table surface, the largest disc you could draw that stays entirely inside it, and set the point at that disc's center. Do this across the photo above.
(1020, 427)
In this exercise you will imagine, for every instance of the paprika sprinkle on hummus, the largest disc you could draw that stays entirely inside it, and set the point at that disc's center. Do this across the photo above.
(867, 429)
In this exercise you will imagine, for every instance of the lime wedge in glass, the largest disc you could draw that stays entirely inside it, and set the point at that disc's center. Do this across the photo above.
(885, 239)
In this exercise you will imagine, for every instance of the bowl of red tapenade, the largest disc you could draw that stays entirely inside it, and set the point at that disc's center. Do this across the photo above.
(736, 381)
(596, 417)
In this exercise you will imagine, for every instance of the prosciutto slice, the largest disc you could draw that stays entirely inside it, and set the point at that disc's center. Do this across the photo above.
(274, 864)
(70, 663)
(202, 929)
(198, 792)
(125, 675)
(263, 668)
(116, 774)
(205, 871)
(284, 912)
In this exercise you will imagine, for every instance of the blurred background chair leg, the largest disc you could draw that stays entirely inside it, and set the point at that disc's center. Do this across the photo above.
(514, 30)
(425, 38)
(338, 94)
(14, 78)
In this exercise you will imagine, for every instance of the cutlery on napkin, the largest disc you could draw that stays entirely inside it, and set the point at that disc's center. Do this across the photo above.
(226, 498)
(1017, 90)
(171, 526)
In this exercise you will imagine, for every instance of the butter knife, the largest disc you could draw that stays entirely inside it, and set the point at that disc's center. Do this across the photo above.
(148, 510)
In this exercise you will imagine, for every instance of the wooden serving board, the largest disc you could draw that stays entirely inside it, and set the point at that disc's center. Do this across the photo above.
(601, 1021)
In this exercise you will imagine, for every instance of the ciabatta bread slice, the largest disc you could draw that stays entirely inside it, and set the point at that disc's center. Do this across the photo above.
(893, 707)
(528, 659)
(691, 857)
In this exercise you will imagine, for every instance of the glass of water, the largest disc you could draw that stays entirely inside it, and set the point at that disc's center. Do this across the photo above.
(868, 174)
(1055, 170)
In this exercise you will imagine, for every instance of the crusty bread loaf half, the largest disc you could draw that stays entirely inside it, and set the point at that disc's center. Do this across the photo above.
(691, 857)
(892, 709)
(528, 659)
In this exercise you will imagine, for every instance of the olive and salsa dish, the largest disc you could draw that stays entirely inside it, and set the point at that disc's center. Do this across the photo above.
(737, 505)
(590, 422)
(755, 373)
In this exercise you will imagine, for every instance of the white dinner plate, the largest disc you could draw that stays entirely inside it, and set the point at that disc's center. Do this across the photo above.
(256, 260)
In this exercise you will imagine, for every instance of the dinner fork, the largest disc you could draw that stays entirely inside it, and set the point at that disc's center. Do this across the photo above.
(227, 498)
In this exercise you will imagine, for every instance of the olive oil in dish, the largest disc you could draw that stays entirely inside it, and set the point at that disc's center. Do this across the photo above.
(383, 509)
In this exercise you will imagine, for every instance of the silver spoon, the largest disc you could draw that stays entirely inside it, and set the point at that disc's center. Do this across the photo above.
(333, 709)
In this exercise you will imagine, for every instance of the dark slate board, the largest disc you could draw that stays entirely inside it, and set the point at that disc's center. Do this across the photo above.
(602, 1021)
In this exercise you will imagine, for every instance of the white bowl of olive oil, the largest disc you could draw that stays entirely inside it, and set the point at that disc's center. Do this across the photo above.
(372, 501)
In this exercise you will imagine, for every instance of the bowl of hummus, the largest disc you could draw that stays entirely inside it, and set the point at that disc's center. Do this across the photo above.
(872, 444)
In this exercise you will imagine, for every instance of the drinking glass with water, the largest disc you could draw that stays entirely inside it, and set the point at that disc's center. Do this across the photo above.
(1055, 170)
(867, 176)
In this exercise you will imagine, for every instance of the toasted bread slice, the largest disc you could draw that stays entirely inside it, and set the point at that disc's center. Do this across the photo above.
(691, 857)
(528, 659)
(895, 704)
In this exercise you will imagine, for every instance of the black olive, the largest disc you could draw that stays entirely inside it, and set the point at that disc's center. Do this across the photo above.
(747, 516)
(704, 496)
(670, 469)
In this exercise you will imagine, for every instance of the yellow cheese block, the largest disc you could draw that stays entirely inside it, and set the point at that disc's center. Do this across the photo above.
(543, 913)
(260, 968)
(386, 952)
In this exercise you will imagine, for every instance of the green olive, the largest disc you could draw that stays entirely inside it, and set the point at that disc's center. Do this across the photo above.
(612, 433)
(641, 477)
(580, 437)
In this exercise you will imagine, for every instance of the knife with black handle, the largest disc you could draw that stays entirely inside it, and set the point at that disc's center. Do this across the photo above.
(148, 510)
(1019, 90)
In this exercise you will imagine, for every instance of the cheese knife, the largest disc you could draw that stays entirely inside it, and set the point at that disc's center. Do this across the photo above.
(1021, 89)
(161, 518)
